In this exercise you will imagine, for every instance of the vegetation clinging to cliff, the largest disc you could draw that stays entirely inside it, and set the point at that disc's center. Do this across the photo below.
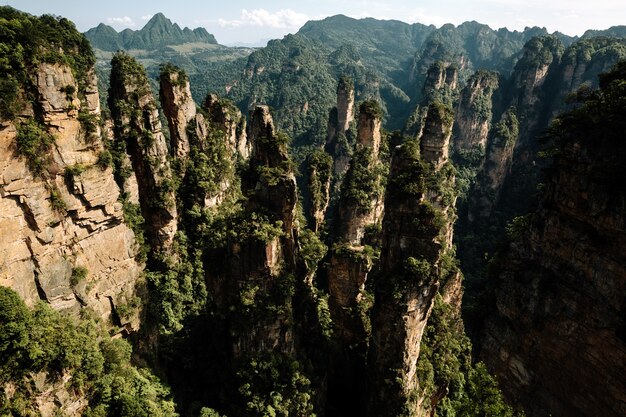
(26, 41)
(42, 340)
(447, 375)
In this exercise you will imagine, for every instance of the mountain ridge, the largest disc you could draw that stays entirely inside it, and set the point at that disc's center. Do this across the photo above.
(159, 31)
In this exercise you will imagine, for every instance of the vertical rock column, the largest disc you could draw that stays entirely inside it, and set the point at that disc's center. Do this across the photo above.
(359, 208)
(319, 169)
(440, 85)
(351, 259)
(495, 168)
(226, 116)
(473, 112)
(208, 142)
(416, 231)
(136, 121)
(178, 107)
(338, 125)
(262, 258)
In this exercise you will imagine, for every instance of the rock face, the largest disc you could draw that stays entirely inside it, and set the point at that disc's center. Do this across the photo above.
(580, 65)
(523, 106)
(136, 121)
(439, 75)
(435, 140)
(345, 104)
(473, 112)
(319, 169)
(192, 135)
(179, 109)
(416, 232)
(440, 85)
(259, 264)
(351, 257)
(337, 143)
(226, 117)
(495, 167)
(269, 149)
(349, 266)
(67, 217)
(556, 340)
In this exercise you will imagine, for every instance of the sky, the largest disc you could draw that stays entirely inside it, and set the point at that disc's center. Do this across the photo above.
(254, 22)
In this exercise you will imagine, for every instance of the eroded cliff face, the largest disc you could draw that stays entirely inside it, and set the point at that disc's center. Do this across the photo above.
(136, 122)
(179, 109)
(227, 118)
(581, 64)
(337, 141)
(352, 255)
(63, 237)
(416, 233)
(556, 339)
(523, 106)
(262, 261)
(440, 85)
(474, 112)
(494, 168)
(527, 92)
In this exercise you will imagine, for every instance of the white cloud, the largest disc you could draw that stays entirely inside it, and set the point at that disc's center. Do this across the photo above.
(146, 17)
(281, 19)
(122, 21)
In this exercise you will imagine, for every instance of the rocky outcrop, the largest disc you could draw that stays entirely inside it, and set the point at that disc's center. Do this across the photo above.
(52, 395)
(226, 117)
(440, 85)
(345, 104)
(341, 117)
(473, 112)
(178, 107)
(539, 88)
(214, 135)
(495, 167)
(435, 139)
(136, 121)
(416, 233)
(581, 63)
(262, 258)
(556, 338)
(349, 266)
(319, 169)
(63, 236)
(274, 189)
(440, 74)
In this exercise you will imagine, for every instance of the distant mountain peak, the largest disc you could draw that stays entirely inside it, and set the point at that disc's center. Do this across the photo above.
(157, 33)
(157, 20)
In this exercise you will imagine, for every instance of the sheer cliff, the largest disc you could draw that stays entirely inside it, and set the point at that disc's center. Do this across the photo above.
(558, 322)
(64, 236)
